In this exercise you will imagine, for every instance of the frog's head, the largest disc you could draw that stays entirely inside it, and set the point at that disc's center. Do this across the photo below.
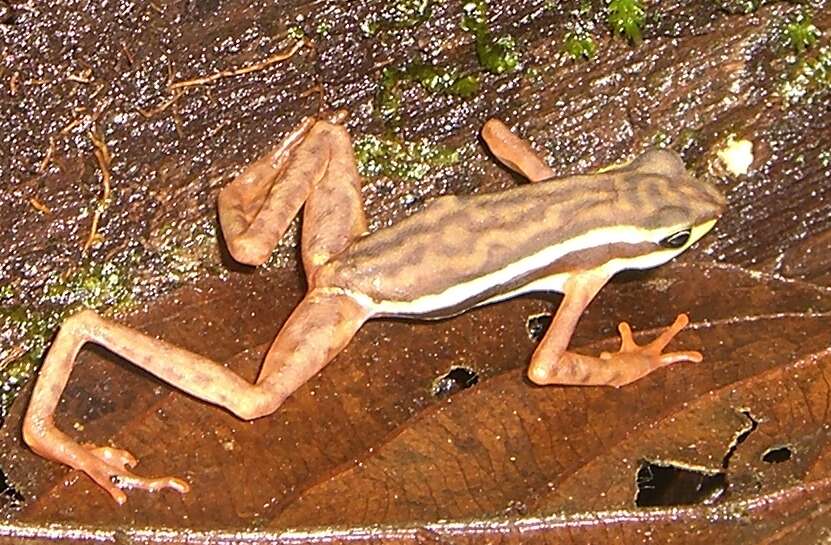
(673, 208)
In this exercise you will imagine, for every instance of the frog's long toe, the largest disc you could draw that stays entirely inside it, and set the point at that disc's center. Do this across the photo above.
(109, 469)
(128, 480)
(635, 362)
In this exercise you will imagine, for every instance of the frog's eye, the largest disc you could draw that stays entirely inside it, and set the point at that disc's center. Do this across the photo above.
(676, 240)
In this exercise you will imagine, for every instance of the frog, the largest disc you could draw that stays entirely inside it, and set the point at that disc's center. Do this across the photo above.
(567, 234)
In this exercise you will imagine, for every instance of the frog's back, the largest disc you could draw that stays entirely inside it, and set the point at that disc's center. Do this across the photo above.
(456, 239)
(460, 251)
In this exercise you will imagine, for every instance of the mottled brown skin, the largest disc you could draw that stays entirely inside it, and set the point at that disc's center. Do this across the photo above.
(569, 234)
(481, 234)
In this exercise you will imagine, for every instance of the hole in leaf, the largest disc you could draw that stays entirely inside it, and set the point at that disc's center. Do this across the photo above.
(777, 455)
(537, 325)
(9, 494)
(457, 379)
(665, 483)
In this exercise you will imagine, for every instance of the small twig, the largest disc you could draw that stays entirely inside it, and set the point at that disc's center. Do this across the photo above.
(94, 237)
(177, 121)
(14, 354)
(104, 158)
(158, 9)
(50, 152)
(99, 109)
(13, 83)
(321, 96)
(97, 91)
(85, 76)
(130, 58)
(72, 124)
(87, 117)
(39, 206)
(161, 107)
(241, 70)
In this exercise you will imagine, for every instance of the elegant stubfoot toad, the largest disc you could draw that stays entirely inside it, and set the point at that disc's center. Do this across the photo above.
(570, 235)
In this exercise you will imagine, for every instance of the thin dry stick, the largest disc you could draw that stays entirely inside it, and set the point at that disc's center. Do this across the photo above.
(39, 206)
(321, 95)
(161, 107)
(13, 83)
(48, 158)
(104, 158)
(85, 76)
(14, 354)
(239, 71)
(72, 124)
(130, 58)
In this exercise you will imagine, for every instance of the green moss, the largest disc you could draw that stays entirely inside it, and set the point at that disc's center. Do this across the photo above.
(397, 15)
(295, 33)
(432, 78)
(808, 78)
(401, 160)
(496, 55)
(579, 46)
(740, 6)
(111, 287)
(25, 332)
(187, 252)
(95, 285)
(800, 33)
(661, 139)
(323, 28)
(626, 17)
(533, 74)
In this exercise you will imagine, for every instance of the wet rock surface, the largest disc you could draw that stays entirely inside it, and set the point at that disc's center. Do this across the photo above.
(81, 82)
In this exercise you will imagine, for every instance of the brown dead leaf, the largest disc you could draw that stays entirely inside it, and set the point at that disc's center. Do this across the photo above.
(366, 444)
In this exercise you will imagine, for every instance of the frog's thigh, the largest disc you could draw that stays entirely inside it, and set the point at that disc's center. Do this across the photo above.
(334, 213)
(256, 208)
(319, 328)
(514, 152)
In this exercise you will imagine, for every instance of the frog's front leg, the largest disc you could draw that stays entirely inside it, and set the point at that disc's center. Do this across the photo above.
(553, 364)
(514, 152)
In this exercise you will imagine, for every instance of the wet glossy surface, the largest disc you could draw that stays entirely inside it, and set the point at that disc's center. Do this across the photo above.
(556, 464)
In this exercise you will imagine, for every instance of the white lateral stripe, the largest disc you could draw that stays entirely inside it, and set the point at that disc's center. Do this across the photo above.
(455, 295)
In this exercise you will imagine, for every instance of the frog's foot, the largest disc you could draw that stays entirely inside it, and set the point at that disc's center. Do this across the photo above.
(108, 467)
(633, 362)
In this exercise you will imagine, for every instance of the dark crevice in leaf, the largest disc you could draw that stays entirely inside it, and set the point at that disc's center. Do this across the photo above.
(777, 455)
(668, 483)
(537, 325)
(457, 379)
(671, 483)
(741, 437)
(9, 494)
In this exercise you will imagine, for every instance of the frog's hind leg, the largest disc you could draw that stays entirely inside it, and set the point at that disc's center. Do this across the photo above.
(514, 152)
(333, 216)
(256, 208)
(320, 327)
